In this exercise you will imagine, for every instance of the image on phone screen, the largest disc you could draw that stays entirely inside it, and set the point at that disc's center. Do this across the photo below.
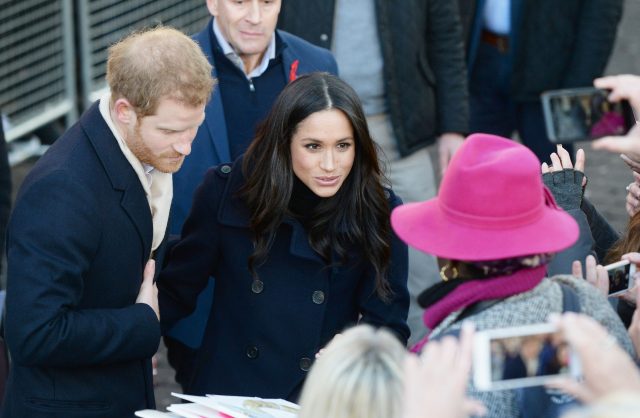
(524, 357)
(584, 113)
(621, 277)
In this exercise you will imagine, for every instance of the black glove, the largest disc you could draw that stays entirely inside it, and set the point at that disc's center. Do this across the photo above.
(566, 187)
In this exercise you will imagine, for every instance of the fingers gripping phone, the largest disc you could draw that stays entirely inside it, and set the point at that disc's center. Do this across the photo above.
(583, 114)
(523, 356)
(620, 277)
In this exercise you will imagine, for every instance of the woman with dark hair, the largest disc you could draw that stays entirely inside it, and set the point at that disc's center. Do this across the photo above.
(298, 238)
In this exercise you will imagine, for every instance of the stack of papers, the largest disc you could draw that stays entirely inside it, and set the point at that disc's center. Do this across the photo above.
(217, 406)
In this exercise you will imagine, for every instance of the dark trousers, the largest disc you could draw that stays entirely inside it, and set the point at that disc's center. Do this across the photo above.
(493, 111)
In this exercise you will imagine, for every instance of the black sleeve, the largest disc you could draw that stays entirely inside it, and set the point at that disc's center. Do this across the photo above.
(446, 53)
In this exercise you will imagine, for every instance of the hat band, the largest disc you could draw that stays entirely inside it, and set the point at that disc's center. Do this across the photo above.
(491, 222)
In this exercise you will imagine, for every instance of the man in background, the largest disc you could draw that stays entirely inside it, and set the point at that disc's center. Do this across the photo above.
(517, 49)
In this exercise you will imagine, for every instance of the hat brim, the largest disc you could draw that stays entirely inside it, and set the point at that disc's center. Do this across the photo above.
(424, 226)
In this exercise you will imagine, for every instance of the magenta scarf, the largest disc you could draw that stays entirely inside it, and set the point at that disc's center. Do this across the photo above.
(478, 290)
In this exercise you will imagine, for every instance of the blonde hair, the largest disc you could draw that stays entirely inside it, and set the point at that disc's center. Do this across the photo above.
(359, 375)
(157, 63)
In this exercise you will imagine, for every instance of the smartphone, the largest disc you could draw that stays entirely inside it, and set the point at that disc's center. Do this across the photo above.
(584, 113)
(620, 277)
(528, 355)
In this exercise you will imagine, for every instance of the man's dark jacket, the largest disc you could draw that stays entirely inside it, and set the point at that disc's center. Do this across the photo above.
(557, 44)
(424, 70)
(77, 242)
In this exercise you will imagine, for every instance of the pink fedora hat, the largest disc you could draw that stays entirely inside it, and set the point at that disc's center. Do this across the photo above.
(491, 205)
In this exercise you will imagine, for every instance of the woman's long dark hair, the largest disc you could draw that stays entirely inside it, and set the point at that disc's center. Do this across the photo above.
(628, 243)
(357, 215)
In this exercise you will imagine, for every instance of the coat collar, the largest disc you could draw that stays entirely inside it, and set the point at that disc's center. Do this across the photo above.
(234, 212)
(120, 173)
(215, 122)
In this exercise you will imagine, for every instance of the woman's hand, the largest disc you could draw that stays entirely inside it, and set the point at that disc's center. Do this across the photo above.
(634, 328)
(633, 195)
(436, 383)
(595, 274)
(565, 181)
(630, 295)
(561, 160)
(606, 367)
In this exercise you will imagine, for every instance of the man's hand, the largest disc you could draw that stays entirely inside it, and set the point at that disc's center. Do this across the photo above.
(448, 144)
(148, 291)
(623, 87)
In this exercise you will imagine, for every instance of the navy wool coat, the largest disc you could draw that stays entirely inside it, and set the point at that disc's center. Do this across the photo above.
(78, 241)
(263, 333)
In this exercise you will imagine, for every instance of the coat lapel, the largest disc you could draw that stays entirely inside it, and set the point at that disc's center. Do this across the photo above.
(214, 122)
(121, 174)
(233, 212)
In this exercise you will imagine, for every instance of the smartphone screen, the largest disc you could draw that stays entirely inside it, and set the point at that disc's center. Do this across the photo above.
(528, 356)
(584, 113)
(619, 279)
(519, 357)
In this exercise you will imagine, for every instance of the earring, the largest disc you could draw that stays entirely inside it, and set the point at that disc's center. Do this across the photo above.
(454, 272)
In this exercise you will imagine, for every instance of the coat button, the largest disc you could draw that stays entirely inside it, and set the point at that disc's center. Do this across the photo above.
(305, 364)
(225, 169)
(387, 194)
(318, 297)
(252, 352)
(324, 37)
(257, 286)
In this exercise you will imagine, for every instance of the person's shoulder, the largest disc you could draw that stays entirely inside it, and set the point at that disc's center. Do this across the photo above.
(225, 175)
(302, 47)
(393, 199)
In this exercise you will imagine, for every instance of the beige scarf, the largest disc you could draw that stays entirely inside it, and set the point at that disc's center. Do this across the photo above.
(158, 186)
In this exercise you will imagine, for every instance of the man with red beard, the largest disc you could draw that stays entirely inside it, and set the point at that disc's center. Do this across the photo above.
(82, 318)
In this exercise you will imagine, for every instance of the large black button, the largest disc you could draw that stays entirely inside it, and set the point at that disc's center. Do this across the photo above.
(257, 286)
(305, 364)
(318, 297)
(252, 352)
(225, 169)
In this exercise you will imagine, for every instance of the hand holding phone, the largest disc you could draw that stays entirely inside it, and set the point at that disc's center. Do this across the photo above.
(606, 367)
(584, 114)
(621, 277)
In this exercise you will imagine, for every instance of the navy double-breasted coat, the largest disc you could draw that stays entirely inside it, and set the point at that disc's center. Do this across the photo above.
(263, 334)
(78, 240)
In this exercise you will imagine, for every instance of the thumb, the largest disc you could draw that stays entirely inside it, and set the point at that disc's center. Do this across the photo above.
(149, 271)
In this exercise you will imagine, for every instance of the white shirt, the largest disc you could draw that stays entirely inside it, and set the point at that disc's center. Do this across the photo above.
(497, 16)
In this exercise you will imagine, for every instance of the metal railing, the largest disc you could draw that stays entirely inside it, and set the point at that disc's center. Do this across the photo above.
(50, 49)
(103, 22)
(37, 74)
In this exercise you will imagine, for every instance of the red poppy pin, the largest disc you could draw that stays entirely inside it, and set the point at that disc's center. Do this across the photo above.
(293, 71)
